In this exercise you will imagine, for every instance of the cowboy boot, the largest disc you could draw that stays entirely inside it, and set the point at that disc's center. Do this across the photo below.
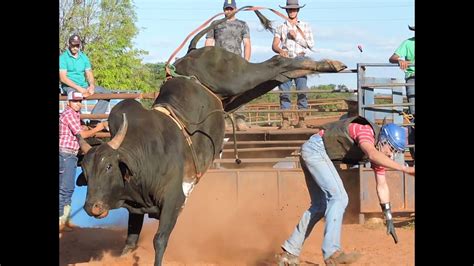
(301, 123)
(64, 223)
(285, 124)
(285, 258)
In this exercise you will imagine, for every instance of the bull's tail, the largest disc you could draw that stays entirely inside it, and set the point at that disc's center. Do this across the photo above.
(267, 24)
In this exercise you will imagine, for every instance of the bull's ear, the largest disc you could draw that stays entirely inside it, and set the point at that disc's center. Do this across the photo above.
(81, 180)
(125, 171)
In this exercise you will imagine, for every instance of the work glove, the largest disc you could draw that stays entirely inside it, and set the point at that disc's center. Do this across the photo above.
(389, 221)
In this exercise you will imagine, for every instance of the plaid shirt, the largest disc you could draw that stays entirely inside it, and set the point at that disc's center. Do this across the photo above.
(69, 127)
(295, 47)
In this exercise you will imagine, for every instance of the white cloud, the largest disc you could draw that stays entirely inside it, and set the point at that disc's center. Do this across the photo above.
(154, 58)
(339, 33)
(261, 49)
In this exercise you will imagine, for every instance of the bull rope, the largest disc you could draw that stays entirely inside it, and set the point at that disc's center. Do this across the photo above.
(236, 152)
(168, 111)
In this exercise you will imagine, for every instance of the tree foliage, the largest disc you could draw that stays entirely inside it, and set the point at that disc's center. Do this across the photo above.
(107, 28)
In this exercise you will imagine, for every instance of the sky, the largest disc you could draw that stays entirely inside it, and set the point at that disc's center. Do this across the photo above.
(339, 26)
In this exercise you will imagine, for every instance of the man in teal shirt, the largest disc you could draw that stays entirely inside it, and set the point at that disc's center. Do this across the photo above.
(75, 73)
(404, 56)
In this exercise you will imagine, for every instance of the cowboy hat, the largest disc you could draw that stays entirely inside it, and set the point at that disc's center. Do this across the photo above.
(292, 4)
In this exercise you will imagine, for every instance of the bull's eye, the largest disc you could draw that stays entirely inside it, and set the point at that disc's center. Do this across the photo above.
(108, 167)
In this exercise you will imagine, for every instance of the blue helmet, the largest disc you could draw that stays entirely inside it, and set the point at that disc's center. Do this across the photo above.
(393, 135)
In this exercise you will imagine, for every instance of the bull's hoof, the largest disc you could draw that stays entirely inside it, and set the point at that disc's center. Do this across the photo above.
(336, 65)
(128, 249)
(327, 65)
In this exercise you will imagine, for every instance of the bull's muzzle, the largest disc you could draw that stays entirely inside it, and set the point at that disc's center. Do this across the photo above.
(97, 209)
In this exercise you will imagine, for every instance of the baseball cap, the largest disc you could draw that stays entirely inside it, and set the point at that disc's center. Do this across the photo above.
(74, 39)
(74, 96)
(230, 3)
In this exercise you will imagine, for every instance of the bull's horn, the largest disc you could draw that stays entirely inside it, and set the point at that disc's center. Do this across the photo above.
(120, 136)
(85, 147)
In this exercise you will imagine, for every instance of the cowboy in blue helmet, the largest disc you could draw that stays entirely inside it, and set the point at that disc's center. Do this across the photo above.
(350, 141)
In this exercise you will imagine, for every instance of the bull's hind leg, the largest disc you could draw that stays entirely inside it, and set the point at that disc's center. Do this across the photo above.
(169, 214)
(135, 223)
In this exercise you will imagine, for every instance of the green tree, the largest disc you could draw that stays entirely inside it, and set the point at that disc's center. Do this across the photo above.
(157, 75)
(107, 28)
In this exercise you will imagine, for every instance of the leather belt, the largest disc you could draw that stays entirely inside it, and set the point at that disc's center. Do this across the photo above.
(70, 151)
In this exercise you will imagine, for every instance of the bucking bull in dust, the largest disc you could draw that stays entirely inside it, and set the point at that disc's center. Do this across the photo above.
(156, 156)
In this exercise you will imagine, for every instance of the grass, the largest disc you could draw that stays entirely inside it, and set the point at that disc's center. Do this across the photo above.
(410, 225)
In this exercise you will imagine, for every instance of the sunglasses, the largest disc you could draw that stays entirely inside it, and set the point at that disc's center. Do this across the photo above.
(75, 45)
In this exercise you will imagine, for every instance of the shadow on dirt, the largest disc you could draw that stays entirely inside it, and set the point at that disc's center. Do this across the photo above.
(86, 244)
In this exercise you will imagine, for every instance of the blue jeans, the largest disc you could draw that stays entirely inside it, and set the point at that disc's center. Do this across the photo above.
(411, 93)
(67, 174)
(328, 199)
(101, 105)
(301, 84)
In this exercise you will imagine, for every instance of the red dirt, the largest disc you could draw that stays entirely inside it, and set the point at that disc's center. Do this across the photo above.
(250, 236)
(232, 246)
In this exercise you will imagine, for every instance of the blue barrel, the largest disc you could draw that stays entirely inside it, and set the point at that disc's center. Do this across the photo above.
(79, 217)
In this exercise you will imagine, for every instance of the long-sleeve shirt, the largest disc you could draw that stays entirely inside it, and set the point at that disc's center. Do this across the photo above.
(69, 127)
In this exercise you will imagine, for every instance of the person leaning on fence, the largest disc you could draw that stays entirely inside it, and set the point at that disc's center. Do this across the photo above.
(70, 130)
(230, 35)
(350, 140)
(404, 56)
(75, 74)
(289, 42)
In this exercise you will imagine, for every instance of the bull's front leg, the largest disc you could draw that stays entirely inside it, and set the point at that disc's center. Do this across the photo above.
(135, 223)
(169, 214)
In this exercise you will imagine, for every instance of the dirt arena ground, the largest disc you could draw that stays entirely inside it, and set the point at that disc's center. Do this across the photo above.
(243, 238)
(236, 246)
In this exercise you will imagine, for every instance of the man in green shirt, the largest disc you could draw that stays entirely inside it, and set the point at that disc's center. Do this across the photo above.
(405, 56)
(75, 73)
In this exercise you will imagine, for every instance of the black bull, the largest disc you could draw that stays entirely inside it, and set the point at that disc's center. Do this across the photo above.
(148, 166)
